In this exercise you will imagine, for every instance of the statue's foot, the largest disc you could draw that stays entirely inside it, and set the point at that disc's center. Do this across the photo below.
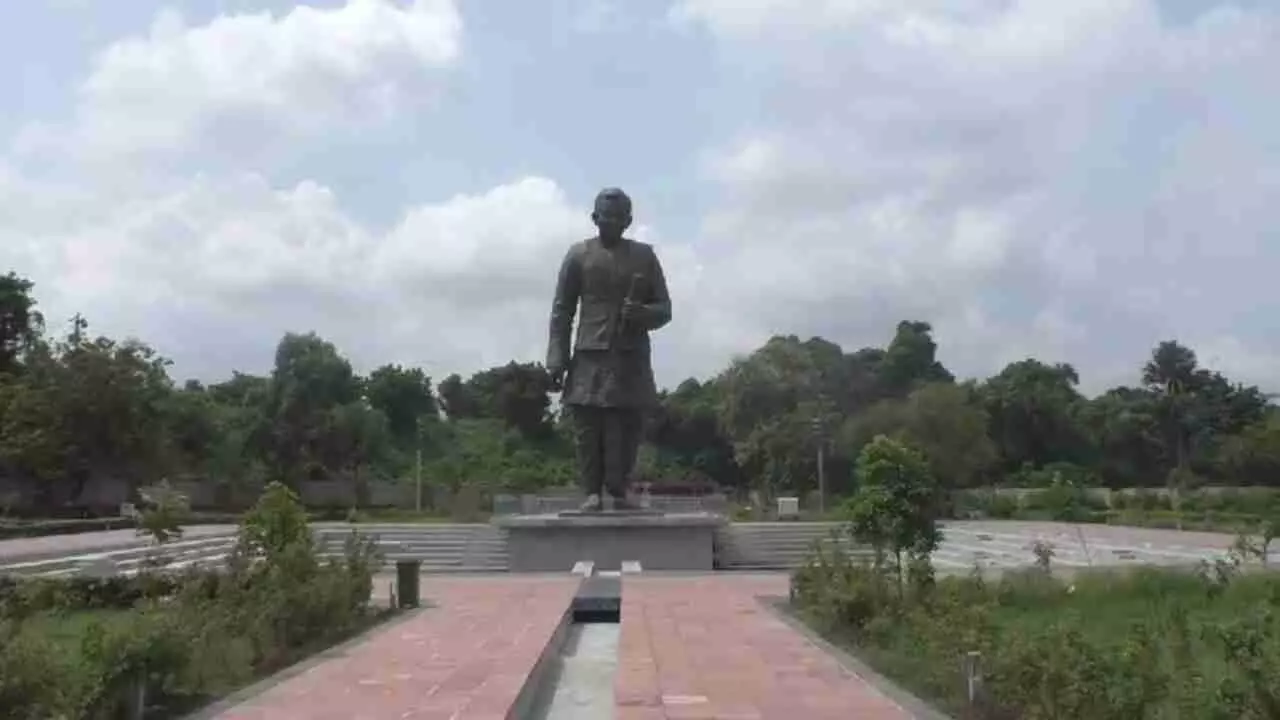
(623, 504)
(591, 505)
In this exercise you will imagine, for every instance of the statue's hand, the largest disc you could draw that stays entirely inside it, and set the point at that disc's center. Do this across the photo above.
(557, 379)
(631, 311)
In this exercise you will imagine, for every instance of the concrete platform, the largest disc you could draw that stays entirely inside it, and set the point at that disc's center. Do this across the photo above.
(554, 542)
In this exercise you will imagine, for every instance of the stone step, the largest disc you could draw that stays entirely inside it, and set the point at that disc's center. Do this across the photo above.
(177, 553)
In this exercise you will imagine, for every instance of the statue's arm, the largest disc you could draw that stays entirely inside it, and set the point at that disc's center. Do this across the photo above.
(657, 310)
(563, 307)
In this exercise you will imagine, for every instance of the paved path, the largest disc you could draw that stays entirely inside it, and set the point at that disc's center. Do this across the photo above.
(704, 647)
(1004, 544)
(16, 549)
(466, 659)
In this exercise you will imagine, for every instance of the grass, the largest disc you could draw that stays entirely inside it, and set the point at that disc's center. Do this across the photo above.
(67, 630)
(63, 637)
(1144, 643)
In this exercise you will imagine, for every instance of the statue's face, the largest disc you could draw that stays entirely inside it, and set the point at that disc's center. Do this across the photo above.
(612, 216)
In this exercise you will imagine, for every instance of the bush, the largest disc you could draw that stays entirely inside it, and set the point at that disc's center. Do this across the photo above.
(1065, 503)
(76, 648)
(1151, 643)
(1003, 507)
(841, 593)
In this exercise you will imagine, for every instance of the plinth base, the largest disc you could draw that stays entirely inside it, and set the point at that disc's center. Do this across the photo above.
(554, 542)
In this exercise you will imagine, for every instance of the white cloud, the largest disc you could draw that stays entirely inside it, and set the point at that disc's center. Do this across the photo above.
(243, 82)
(215, 271)
(1073, 180)
(213, 267)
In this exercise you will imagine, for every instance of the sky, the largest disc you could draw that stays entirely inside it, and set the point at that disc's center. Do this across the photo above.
(1071, 181)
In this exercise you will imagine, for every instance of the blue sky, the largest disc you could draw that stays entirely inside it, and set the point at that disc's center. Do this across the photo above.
(1073, 181)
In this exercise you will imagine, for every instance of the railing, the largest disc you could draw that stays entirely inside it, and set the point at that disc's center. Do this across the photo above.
(542, 504)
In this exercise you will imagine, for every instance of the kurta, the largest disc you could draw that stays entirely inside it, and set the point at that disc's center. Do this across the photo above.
(610, 365)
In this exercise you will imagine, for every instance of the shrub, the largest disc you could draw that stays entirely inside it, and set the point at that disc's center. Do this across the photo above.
(1151, 643)
(1003, 507)
(187, 636)
(841, 593)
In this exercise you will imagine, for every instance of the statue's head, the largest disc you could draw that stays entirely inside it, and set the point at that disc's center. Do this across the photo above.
(612, 213)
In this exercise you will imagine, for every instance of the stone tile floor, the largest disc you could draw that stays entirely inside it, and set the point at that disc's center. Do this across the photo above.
(705, 647)
(689, 647)
(467, 658)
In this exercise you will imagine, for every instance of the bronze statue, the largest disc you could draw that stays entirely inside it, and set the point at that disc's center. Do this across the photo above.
(616, 287)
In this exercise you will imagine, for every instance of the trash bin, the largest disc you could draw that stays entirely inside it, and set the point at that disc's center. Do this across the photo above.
(407, 574)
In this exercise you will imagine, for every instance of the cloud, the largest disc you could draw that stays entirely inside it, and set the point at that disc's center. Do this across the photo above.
(241, 83)
(212, 267)
(1074, 181)
(216, 270)
(1071, 180)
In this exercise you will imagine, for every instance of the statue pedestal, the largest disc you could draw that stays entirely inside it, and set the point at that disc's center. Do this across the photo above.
(658, 541)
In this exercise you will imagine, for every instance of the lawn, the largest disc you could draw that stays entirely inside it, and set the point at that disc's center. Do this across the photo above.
(1124, 645)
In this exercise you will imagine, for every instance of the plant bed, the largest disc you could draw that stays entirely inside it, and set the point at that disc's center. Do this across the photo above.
(1123, 645)
(82, 648)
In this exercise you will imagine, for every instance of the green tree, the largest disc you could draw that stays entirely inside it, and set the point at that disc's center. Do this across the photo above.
(311, 379)
(894, 509)
(946, 422)
(1032, 410)
(357, 437)
(1253, 456)
(685, 435)
(20, 323)
(911, 359)
(84, 409)
(404, 396)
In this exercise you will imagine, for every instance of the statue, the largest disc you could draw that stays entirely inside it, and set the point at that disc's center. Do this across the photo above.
(616, 287)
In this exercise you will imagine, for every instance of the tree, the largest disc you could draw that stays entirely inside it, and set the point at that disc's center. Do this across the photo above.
(357, 435)
(946, 422)
(85, 409)
(1253, 456)
(894, 509)
(458, 399)
(1173, 376)
(1032, 410)
(686, 436)
(911, 359)
(20, 323)
(309, 381)
(404, 396)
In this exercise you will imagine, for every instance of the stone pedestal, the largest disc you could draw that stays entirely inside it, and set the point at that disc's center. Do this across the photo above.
(554, 542)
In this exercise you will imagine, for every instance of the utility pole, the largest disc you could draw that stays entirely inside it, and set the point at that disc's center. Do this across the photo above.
(417, 467)
(822, 475)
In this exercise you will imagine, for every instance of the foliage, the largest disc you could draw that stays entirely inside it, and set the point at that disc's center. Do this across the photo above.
(165, 513)
(895, 508)
(78, 648)
(86, 421)
(1120, 645)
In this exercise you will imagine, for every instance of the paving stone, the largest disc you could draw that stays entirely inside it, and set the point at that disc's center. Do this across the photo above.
(465, 659)
(703, 647)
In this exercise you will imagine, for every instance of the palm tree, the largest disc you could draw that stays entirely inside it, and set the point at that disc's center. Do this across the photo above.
(1173, 374)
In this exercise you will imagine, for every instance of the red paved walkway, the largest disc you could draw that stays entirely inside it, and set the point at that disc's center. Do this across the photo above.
(463, 660)
(706, 648)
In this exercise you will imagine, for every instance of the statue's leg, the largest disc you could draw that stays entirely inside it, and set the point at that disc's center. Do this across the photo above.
(589, 436)
(622, 443)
